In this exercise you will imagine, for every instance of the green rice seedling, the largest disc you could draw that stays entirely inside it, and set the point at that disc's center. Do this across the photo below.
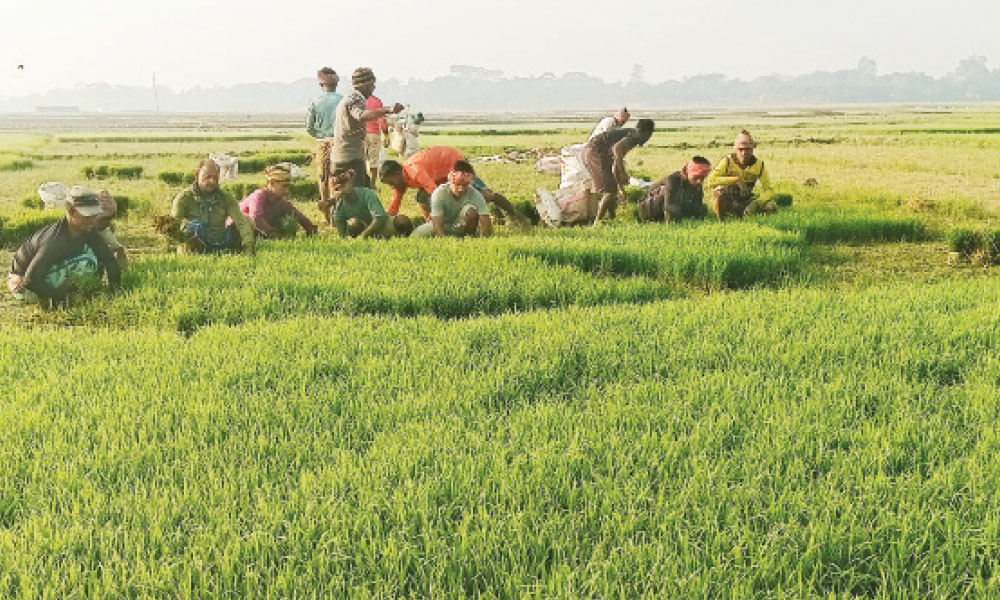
(962, 240)
(805, 443)
(304, 190)
(833, 225)
(991, 243)
(21, 164)
(176, 178)
(287, 227)
(783, 200)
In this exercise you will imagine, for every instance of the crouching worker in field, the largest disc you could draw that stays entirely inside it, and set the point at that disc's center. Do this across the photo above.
(604, 157)
(678, 195)
(457, 207)
(734, 179)
(357, 211)
(211, 220)
(428, 169)
(269, 207)
(65, 257)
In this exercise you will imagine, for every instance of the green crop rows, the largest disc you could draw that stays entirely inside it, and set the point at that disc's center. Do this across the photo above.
(803, 405)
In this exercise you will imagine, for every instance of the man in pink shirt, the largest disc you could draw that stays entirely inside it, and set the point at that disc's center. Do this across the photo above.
(268, 207)
(376, 138)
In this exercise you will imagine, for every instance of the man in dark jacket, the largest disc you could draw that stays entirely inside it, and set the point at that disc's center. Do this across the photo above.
(52, 263)
(678, 195)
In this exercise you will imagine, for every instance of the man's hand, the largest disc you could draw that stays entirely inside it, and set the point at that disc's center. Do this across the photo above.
(397, 108)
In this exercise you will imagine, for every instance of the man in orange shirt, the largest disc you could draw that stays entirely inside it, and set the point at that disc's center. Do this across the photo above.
(428, 169)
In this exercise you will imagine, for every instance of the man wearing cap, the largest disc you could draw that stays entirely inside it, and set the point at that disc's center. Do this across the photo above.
(266, 207)
(604, 157)
(211, 220)
(50, 264)
(428, 169)
(320, 124)
(358, 212)
(457, 208)
(734, 179)
(615, 121)
(352, 115)
(678, 195)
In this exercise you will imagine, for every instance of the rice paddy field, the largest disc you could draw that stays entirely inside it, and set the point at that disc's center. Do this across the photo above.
(803, 405)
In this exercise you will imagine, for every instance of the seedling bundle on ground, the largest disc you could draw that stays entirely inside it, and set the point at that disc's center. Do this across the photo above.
(800, 405)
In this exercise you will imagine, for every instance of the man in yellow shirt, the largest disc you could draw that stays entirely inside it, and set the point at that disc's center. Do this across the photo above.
(734, 182)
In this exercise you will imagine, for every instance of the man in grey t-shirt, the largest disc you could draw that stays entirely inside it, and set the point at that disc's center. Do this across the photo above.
(349, 142)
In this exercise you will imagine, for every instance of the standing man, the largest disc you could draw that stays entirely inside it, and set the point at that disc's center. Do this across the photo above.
(50, 264)
(615, 121)
(678, 195)
(376, 138)
(319, 124)
(204, 210)
(457, 208)
(428, 169)
(733, 181)
(352, 117)
(266, 207)
(604, 157)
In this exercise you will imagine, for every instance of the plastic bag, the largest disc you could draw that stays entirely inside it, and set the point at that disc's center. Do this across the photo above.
(566, 206)
(229, 166)
(573, 171)
(549, 164)
(53, 194)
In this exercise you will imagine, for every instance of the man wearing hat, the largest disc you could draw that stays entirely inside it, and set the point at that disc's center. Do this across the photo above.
(206, 210)
(678, 195)
(352, 115)
(320, 124)
(50, 264)
(268, 206)
(734, 179)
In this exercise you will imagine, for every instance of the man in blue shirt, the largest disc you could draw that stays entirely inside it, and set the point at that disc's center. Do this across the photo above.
(320, 125)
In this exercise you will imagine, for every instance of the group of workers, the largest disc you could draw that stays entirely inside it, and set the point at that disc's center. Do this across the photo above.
(49, 266)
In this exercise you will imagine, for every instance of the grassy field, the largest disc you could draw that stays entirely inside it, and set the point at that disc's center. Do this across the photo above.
(796, 406)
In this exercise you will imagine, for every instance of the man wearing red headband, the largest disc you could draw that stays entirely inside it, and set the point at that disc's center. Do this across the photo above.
(678, 195)
(457, 208)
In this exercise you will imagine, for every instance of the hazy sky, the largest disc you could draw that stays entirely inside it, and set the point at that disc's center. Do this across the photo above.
(208, 42)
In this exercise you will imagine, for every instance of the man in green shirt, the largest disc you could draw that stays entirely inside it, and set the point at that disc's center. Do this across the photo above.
(204, 209)
(357, 211)
(457, 208)
(320, 125)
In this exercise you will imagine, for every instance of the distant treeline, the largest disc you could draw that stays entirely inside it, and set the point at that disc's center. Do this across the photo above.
(468, 88)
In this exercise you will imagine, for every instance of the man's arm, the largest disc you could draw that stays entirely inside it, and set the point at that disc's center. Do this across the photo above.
(340, 221)
(242, 223)
(178, 209)
(485, 225)
(618, 152)
(438, 225)
(38, 268)
(766, 191)
(303, 221)
(719, 177)
(107, 258)
(311, 121)
(379, 217)
(397, 199)
(378, 113)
